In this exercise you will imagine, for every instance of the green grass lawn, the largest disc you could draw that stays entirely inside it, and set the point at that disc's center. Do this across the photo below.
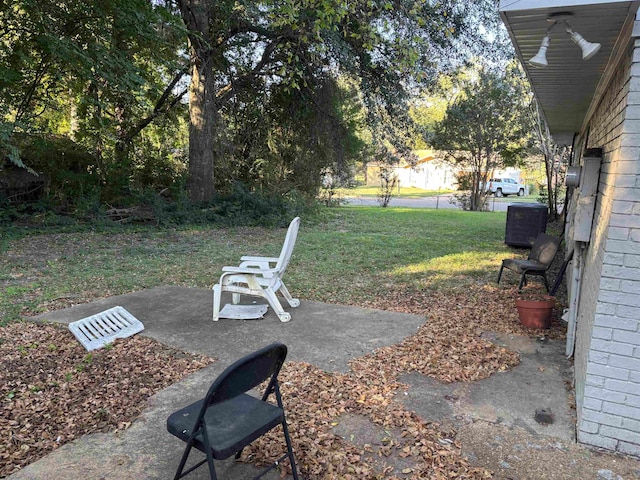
(351, 255)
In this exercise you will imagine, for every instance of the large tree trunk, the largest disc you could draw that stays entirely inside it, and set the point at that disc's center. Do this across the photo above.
(202, 119)
(121, 169)
(203, 112)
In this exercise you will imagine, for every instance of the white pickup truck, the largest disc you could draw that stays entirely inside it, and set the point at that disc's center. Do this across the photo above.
(502, 187)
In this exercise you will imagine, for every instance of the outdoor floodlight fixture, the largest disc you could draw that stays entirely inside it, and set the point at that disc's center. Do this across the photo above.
(540, 59)
(589, 49)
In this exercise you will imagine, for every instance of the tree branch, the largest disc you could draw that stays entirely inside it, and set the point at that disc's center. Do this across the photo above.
(226, 93)
(161, 107)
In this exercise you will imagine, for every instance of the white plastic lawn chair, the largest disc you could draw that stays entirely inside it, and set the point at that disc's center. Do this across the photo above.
(260, 277)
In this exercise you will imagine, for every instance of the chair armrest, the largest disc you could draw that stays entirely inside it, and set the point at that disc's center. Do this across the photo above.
(259, 259)
(263, 263)
(249, 271)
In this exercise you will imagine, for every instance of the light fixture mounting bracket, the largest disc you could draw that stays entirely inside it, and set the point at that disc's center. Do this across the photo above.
(559, 17)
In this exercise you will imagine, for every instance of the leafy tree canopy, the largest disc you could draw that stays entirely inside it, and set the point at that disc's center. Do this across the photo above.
(388, 47)
(280, 92)
(486, 126)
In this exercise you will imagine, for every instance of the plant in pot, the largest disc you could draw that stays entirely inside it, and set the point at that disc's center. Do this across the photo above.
(535, 309)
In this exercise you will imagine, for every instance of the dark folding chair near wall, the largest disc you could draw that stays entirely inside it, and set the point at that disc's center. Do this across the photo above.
(540, 259)
(227, 419)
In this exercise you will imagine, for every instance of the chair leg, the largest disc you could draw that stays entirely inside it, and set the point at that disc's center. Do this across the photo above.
(207, 446)
(285, 428)
(523, 281)
(217, 292)
(292, 460)
(546, 284)
(293, 302)
(500, 273)
(180, 473)
(235, 298)
(272, 298)
(183, 461)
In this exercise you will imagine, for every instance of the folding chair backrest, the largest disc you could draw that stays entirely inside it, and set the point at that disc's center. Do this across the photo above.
(544, 248)
(247, 373)
(289, 243)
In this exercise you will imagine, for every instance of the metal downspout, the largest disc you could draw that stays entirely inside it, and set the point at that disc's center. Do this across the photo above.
(574, 300)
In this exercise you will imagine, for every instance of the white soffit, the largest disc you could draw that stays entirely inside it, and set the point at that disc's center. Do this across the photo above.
(563, 138)
(567, 87)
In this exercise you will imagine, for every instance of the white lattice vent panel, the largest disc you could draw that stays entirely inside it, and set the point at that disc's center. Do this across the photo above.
(104, 327)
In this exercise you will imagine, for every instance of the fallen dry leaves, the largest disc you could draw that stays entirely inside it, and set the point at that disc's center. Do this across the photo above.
(449, 347)
(476, 309)
(52, 390)
(314, 402)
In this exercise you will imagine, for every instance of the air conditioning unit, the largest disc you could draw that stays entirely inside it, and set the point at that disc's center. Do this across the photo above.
(524, 222)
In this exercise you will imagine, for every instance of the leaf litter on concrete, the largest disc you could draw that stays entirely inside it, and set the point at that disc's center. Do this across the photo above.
(97, 392)
(53, 391)
(448, 347)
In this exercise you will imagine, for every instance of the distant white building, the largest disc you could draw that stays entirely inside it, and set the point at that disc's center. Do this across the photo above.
(429, 172)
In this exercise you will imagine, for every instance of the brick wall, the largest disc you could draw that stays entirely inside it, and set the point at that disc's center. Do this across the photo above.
(607, 356)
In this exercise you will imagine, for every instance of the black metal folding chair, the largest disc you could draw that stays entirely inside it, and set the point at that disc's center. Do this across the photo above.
(540, 258)
(227, 419)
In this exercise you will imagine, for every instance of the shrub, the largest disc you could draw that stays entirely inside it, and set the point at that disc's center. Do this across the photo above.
(239, 207)
(64, 171)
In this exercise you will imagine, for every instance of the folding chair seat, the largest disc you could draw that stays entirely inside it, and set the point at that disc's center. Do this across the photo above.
(260, 277)
(537, 263)
(228, 419)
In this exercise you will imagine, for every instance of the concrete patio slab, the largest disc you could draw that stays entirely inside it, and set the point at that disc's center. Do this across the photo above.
(327, 336)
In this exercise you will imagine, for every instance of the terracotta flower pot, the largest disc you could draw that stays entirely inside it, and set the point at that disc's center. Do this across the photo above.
(536, 313)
